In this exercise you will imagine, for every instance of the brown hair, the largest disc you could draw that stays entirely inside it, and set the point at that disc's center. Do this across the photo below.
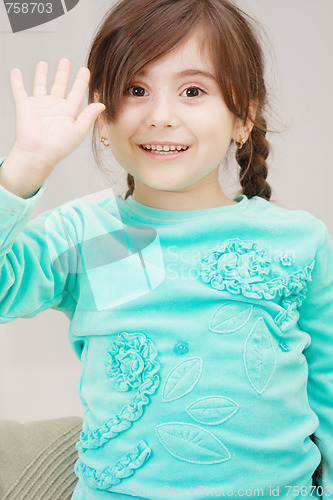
(135, 33)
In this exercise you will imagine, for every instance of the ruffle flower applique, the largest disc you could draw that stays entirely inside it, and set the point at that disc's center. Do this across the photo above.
(130, 366)
(108, 477)
(130, 361)
(235, 266)
(243, 267)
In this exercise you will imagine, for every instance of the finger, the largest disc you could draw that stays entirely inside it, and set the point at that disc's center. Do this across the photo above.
(60, 83)
(40, 80)
(88, 116)
(80, 85)
(17, 85)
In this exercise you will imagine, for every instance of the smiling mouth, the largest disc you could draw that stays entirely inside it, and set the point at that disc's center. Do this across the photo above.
(163, 149)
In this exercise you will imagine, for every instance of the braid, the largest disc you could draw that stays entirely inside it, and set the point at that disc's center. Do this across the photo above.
(130, 183)
(252, 161)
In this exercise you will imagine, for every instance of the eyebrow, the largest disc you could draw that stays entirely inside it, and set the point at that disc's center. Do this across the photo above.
(196, 72)
(188, 72)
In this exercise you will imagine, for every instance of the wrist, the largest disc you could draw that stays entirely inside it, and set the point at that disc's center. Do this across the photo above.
(19, 176)
(24, 188)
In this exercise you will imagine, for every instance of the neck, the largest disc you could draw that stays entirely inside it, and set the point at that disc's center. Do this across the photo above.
(206, 193)
(179, 200)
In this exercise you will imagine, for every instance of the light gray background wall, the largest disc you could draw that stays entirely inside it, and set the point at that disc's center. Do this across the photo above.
(38, 371)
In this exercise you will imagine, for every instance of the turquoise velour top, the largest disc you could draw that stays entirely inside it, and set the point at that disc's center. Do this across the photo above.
(206, 341)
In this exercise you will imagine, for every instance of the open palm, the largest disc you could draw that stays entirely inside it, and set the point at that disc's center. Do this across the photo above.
(47, 126)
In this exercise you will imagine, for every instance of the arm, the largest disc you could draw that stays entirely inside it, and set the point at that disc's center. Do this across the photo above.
(48, 128)
(28, 281)
(316, 318)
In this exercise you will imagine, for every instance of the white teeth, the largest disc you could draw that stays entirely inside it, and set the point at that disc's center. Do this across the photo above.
(163, 148)
(159, 147)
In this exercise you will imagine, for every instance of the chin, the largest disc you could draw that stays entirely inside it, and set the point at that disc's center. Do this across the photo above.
(165, 185)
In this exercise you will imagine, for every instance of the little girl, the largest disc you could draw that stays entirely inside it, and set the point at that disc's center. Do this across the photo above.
(204, 324)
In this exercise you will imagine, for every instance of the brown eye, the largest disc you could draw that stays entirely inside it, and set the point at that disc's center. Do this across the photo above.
(136, 91)
(193, 92)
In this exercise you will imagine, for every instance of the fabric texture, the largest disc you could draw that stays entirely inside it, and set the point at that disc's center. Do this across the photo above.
(205, 337)
(37, 459)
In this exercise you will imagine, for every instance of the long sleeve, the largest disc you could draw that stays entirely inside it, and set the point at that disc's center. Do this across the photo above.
(316, 318)
(29, 282)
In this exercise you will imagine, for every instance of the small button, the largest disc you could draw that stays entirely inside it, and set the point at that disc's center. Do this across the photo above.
(286, 260)
(284, 346)
(181, 347)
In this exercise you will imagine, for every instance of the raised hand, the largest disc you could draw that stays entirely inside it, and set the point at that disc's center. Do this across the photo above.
(47, 125)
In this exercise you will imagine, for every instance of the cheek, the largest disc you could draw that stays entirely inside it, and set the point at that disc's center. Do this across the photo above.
(215, 131)
(213, 118)
(130, 116)
(223, 117)
(125, 124)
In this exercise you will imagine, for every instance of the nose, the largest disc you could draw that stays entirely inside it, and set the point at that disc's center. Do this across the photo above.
(162, 112)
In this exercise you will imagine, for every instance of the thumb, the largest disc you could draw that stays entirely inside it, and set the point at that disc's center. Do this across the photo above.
(88, 116)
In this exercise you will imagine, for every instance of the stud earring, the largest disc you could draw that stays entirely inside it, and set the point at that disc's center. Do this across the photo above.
(241, 143)
(104, 141)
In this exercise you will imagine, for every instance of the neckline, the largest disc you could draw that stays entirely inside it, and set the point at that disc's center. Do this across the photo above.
(163, 216)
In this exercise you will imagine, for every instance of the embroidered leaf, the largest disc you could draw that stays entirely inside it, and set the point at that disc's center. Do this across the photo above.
(182, 379)
(212, 410)
(191, 443)
(230, 317)
(259, 356)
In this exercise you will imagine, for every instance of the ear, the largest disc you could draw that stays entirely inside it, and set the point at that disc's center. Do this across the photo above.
(243, 130)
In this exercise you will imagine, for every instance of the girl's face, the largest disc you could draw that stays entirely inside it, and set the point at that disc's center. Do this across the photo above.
(173, 131)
